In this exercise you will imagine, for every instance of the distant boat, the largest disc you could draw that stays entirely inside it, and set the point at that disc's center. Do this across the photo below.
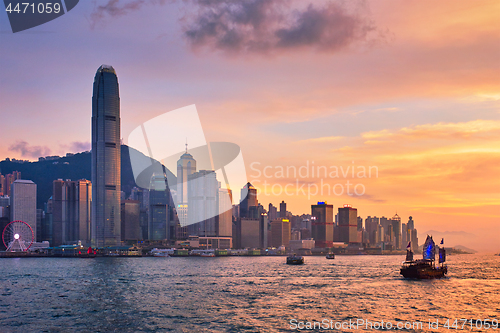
(425, 268)
(294, 260)
(165, 253)
(207, 254)
(330, 256)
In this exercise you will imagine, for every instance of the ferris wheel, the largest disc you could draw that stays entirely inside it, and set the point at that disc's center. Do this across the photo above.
(17, 236)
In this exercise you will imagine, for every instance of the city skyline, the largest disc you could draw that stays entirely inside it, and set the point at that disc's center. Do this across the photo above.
(428, 120)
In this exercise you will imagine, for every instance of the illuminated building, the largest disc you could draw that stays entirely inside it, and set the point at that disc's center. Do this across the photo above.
(322, 224)
(106, 163)
(71, 201)
(280, 232)
(348, 224)
(23, 203)
(186, 166)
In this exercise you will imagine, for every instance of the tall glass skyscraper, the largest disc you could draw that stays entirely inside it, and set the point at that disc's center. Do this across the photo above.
(106, 153)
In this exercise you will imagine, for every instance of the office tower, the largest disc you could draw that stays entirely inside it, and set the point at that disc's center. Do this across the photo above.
(203, 193)
(23, 203)
(4, 207)
(414, 240)
(158, 208)
(380, 235)
(106, 155)
(250, 200)
(404, 237)
(250, 233)
(186, 166)
(322, 224)
(396, 228)
(283, 209)
(7, 180)
(272, 212)
(71, 201)
(348, 224)
(130, 223)
(225, 216)
(384, 222)
(411, 223)
(390, 234)
(264, 226)
(39, 219)
(280, 232)
(371, 226)
(360, 223)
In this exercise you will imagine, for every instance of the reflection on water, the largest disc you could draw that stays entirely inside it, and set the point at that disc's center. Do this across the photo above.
(234, 294)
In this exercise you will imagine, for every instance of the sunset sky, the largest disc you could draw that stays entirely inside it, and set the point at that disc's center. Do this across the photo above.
(409, 87)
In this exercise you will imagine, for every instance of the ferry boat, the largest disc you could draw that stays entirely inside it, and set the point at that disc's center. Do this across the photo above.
(330, 256)
(207, 254)
(294, 260)
(161, 252)
(425, 268)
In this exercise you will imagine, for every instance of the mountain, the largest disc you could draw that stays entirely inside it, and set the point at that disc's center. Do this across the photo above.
(72, 166)
(464, 249)
(441, 234)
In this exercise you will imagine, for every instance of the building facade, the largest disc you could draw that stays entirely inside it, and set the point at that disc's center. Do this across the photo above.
(106, 159)
(322, 224)
(23, 203)
(348, 224)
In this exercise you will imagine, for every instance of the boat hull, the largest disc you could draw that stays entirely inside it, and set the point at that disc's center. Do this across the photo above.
(423, 273)
(295, 261)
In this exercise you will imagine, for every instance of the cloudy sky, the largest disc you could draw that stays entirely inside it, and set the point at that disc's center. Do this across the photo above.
(411, 88)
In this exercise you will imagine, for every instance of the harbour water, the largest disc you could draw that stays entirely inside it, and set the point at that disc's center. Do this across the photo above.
(238, 294)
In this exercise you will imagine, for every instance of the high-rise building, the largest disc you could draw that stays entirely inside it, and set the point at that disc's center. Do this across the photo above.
(249, 195)
(322, 224)
(23, 203)
(283, 209)
(396, 228)
(225, 216)
(414, 240)
(272, 212)
(404, 235)
(348, 224)
(6, 182)
(280, 232)
(411, 223)
(71, 201)
(203, 190)
(158, 208)
(106, 159)
(186, 166)
(250, 233)
(360, 223)
(130, 224)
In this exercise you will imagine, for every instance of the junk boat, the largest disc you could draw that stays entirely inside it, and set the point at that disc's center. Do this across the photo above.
(425, 268)
(294, 260)
(330, 256)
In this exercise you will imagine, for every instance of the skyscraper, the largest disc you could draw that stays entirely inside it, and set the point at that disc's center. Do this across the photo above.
(348, 224)
(23, 203)
(130, 214)
(249, 195)
(158, 208)
(280, 232)
(186, 166)
(106, 154)
(322, 224)
(283, 208)
(71, 202)
(202, 203)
